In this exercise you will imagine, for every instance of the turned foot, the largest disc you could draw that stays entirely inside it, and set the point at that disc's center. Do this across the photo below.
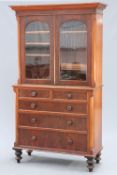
(18, 153)
(29, 152)
(98, 158)
(90, 163)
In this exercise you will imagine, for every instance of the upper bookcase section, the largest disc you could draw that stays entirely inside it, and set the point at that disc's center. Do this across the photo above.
(60, 44)
(81, 7)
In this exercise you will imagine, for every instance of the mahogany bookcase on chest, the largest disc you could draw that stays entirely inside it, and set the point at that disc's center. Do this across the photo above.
(59, 89)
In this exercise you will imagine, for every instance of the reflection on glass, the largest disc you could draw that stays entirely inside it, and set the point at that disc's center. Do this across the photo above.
(37, 50)
(73, 51)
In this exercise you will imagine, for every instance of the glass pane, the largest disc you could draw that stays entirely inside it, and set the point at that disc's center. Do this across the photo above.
(37, 49)
(73, 51)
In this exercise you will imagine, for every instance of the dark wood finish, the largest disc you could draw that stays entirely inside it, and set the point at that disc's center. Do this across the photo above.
(98, 158)
(18, 153)
(90, 163)
(61, 115)
(29, 152)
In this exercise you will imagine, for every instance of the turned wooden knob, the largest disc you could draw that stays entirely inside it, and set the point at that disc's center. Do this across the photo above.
(69, 141)
(34, 138)
(33, 105)
(33, 94)
(69, 122)
(69, 95)
(33, 120)
(69, 108)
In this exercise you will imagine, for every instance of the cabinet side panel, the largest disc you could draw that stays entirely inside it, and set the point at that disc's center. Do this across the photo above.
(19, 48)
(98, 120)
(16, 114)
(97, 48)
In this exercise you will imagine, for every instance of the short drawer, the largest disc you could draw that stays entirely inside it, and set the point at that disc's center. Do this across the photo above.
(55, 140)
(70, 94)
(54, 106)
(54, 121)
(42, 93)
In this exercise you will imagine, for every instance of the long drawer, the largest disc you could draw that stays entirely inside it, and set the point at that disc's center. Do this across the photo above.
(54, 106)
(54, 121)
(55, 140)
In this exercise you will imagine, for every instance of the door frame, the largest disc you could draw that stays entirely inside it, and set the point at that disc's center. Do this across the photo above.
(60, 20)
(24, 22)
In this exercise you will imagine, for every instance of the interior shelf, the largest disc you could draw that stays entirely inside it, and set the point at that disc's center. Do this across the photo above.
(47, 32)
(76, 49)
(36, 54)
(70, 32)
(37, 43)
(73, 66)
(37, 32)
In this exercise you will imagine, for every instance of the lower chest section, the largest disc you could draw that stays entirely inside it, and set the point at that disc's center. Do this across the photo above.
(53, 119)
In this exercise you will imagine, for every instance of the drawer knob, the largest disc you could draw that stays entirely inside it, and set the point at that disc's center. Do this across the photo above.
(33, 94)
(34, 138)
(33, 120)
(33, 105)
(69, 95)
(69, 141)
(70, 122)
(69, 108)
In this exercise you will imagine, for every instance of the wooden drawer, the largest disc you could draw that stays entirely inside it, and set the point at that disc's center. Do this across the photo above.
(55, 140)
(42, 93)
(54, 106)
(67, 94)
(52, 121)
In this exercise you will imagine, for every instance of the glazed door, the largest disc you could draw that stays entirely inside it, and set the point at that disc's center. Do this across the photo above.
(37, 50)
(73, 58)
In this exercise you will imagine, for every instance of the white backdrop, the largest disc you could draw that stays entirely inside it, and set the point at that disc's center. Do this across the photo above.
(49, 163)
